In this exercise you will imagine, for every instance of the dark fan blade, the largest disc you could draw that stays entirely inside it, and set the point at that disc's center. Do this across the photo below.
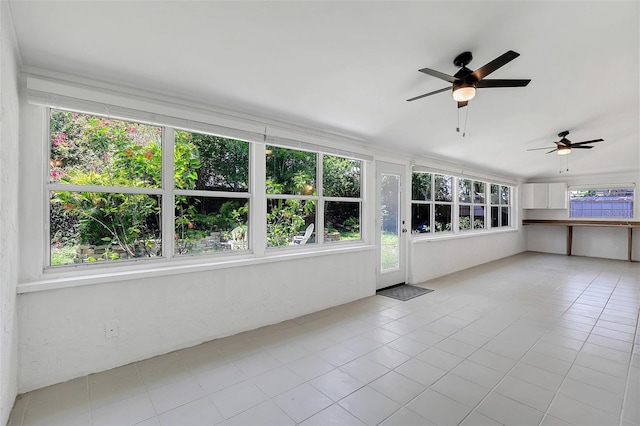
(586, 142)
(429, 94)
(580, 147)
(438, 74)
(538, 149)
(462, 104)
(484, 71)
(502, 83)
(553, 150)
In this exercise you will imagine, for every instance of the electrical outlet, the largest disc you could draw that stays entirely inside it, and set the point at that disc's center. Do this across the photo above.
(111, 329)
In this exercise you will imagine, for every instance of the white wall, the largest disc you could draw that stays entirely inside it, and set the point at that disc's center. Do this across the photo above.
(609, 243)
(435, 258)
(9, 144)
(62, 332)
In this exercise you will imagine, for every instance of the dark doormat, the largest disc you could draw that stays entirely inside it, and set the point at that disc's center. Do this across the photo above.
(403, 291)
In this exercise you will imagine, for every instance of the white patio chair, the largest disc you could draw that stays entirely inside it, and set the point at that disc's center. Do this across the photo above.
(301, 240)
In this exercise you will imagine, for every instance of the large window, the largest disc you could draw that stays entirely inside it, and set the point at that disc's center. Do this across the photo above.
(105, 179)
(432, 204)
(211, 181)
(601, 202)
(421, 205)
(435, 207)
(472, 207)
(295, 201)
(342, 195)
(443, 205)
(500, 206)
(123, 190)
(292, 196)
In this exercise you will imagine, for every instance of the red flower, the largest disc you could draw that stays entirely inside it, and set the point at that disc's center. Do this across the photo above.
(148, 155)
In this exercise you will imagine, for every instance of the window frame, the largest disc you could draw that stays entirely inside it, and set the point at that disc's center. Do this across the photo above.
(605, 187)
(472, 204)
(456, 204)
(501, 206)
(321, 200)
(50, 187)
(255, 196)
(213, 194)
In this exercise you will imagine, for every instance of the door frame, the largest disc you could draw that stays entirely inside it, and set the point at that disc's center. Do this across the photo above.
(398, 276)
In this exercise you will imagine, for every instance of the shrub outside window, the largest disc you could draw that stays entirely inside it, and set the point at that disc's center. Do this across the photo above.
(104, 189)
(601, 203)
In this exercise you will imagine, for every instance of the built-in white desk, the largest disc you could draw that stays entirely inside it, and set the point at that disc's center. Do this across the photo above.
(593, 223)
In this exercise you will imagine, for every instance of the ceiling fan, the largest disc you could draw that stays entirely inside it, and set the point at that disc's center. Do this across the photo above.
(564, 145)
(465, 82)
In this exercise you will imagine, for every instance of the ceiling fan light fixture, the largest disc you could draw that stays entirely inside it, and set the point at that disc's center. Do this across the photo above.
(464, 93)
(564, 150)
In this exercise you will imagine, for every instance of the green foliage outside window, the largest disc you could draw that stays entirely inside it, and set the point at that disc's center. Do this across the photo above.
(100, 152)
(421, 186)
(105, 222)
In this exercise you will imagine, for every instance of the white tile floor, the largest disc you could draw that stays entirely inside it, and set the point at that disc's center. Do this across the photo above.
(534, 339)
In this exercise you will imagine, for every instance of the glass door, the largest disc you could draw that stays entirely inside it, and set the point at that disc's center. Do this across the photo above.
(391, 228)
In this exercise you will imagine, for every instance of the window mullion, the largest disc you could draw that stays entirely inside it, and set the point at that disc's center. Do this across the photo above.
(455, 205)
(432, 212)
(320, 204)
(258, 202)
(105, 189)
(168, 198)
(47, 186)
(212, 194)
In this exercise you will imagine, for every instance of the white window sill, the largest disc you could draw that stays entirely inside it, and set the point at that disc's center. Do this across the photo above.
(55, 279)
(443, 236)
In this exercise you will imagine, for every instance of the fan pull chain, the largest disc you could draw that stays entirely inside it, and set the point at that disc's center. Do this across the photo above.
(566, 157)
(466, 120)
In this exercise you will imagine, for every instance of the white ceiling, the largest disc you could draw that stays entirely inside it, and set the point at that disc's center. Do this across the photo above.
(348, 67)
